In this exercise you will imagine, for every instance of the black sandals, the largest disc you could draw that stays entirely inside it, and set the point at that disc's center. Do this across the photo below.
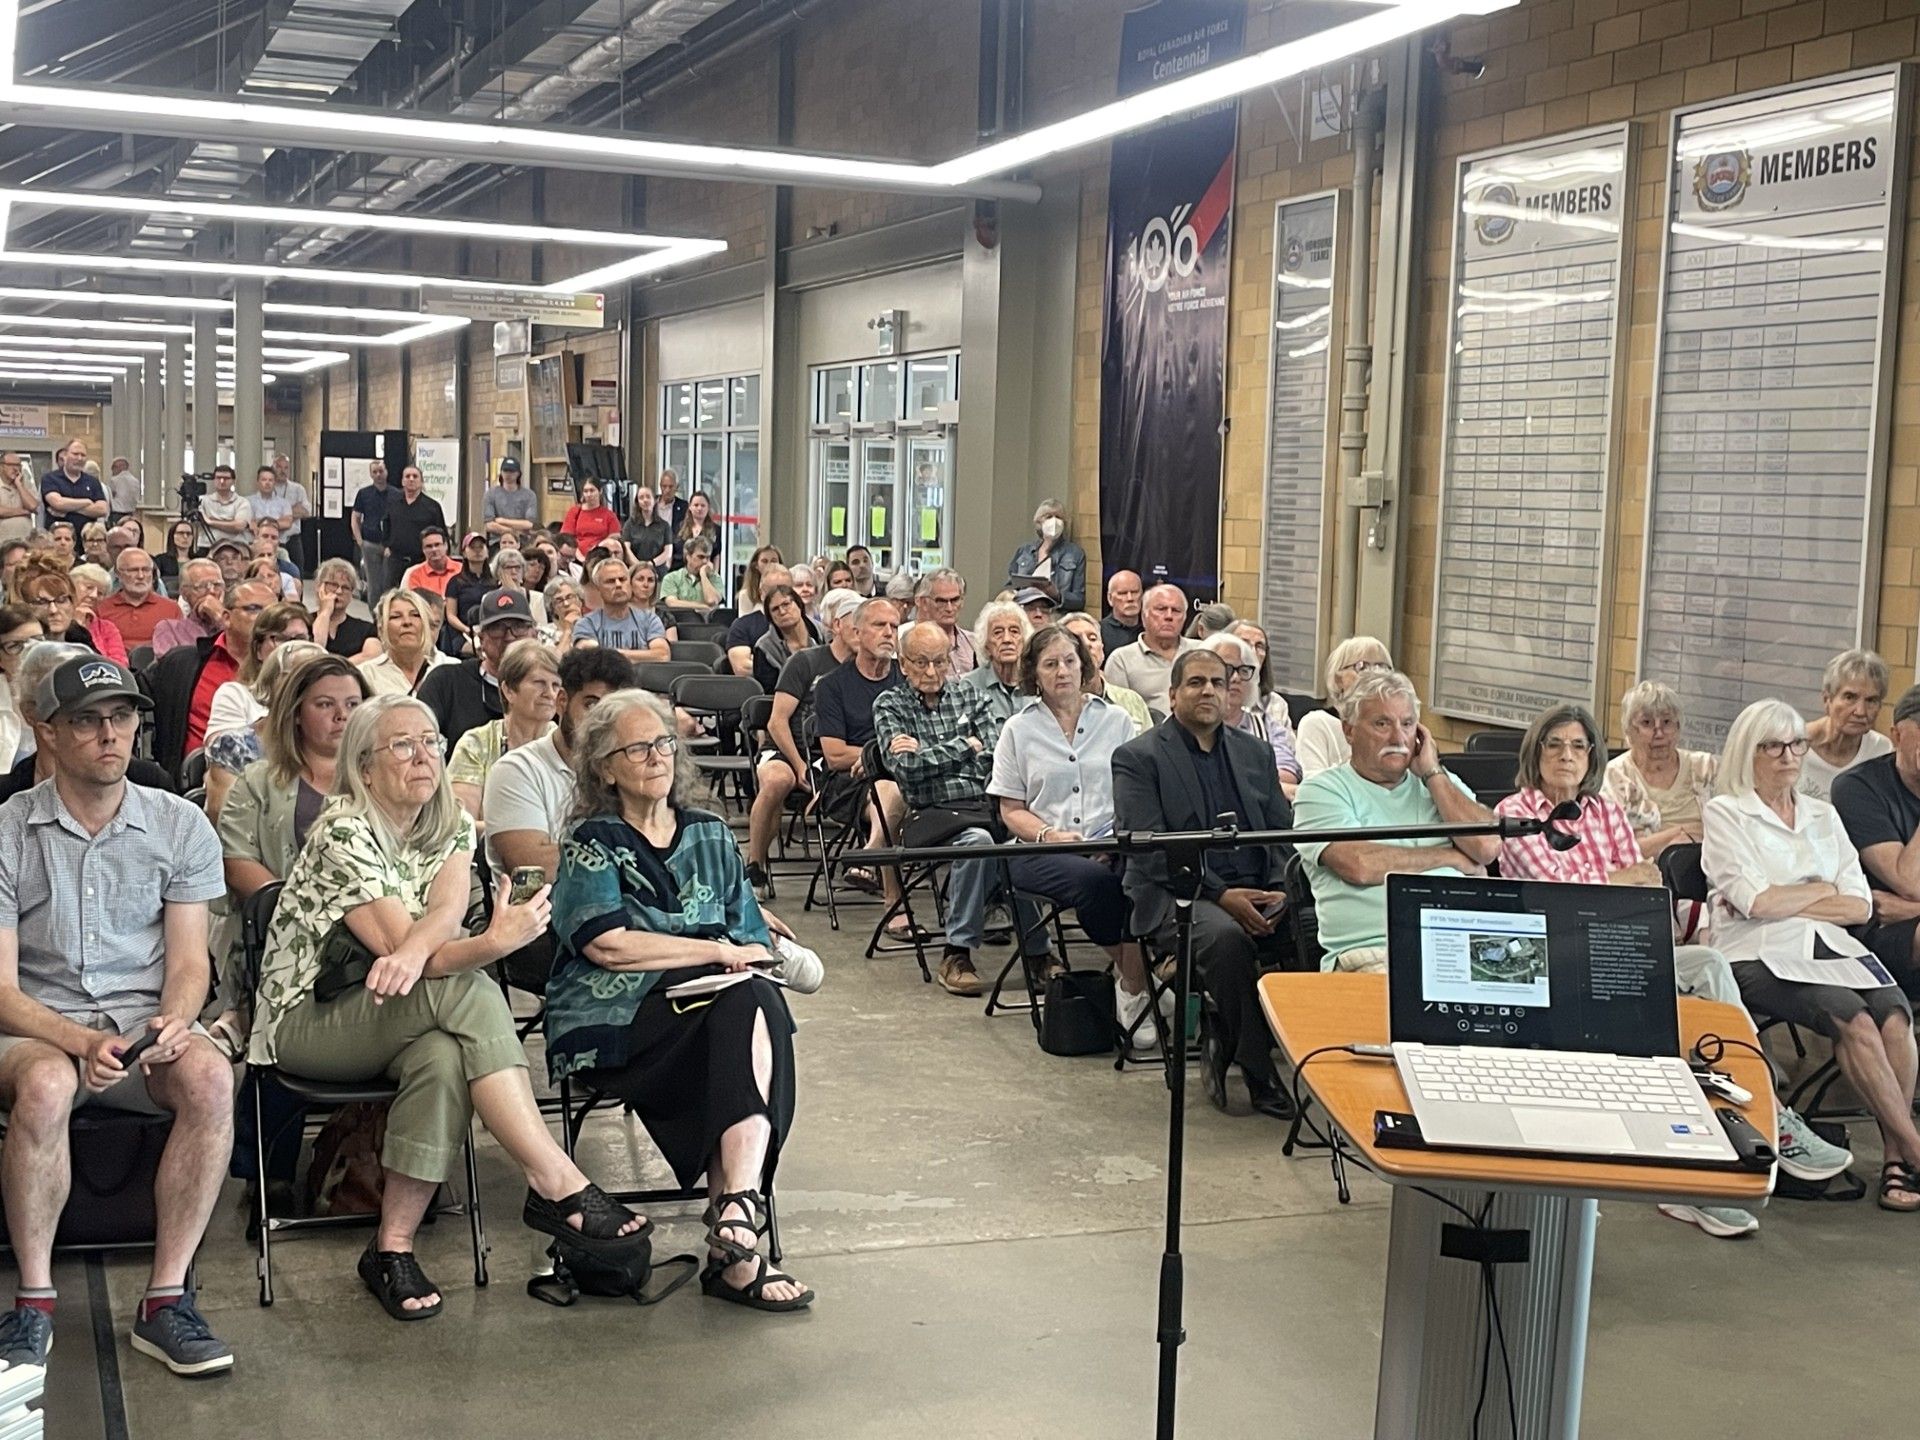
(753, 1293)
(395, 1276)
(601, 1217)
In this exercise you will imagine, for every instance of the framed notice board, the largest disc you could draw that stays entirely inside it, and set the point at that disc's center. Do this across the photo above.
(1772, 397)
(1303, 395)
(549, 395)
(1521, 588)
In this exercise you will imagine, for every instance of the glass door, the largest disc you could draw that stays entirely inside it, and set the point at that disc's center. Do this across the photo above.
(929, 463)
(743, 530)
(879, 500)
(836, 494)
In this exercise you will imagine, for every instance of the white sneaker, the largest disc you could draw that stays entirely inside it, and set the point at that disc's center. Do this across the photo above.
(1723, 1222)
(1126, 1010)
(1804, 1155)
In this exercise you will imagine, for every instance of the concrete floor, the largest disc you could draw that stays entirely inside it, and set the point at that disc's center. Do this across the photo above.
(983, 1224)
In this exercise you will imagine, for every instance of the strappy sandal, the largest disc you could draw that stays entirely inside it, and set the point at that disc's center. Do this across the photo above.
(395, 1276)
(1899, 1187)
(753, 1293)
(601, 1217)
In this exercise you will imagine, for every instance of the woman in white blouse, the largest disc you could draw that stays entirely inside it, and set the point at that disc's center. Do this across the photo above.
(1786, 882)
(1321, 743)
(1852, 690)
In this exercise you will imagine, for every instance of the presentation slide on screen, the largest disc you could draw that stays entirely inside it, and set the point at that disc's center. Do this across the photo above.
(1483, 957)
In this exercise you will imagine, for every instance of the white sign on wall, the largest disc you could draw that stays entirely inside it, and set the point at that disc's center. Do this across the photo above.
(1771, 398)
(1520, 574)
(439, 462)
(1306, 242)
(23, 422)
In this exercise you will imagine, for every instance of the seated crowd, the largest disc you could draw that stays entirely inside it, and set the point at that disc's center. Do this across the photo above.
(492, 726)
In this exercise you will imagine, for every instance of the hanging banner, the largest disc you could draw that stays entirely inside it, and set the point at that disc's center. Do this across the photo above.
(439, 462)
(1163, 359)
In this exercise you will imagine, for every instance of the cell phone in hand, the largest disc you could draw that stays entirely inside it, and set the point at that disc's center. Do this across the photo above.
(139, 1047)
(1272, 909)
(527, 880)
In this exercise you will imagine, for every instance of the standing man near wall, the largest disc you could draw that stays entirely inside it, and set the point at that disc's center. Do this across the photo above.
(509, 509)
(227, 512)
(68, 492)
(369, 521)
(123, 490)
(303, 544)
(668, 503)
(410, 514)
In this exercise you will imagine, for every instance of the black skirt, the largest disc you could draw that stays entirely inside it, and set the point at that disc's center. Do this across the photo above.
(689, 1073)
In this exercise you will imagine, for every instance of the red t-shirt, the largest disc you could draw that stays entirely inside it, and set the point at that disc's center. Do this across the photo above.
(136, 623)
(590, 527)
(424, 577)
(220, 668)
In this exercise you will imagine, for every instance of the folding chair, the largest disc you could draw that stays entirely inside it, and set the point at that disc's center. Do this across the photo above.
(722, 699)
(701, 632)
(659, 675)
(1489, 774)
(849, 832)
(1494, 742)
(256, 914)
(696, 652)
(193, 771)
(1046, 918)
(1299, 706)
(572, 1122)
(1303, 925)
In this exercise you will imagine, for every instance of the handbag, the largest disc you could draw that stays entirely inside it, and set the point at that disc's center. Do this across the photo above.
(115, 1157)
(1076, 1013)
(344, 963)
(578, 1272)
(345, 1176)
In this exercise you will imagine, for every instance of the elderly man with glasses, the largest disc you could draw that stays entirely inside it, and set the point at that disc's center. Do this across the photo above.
(938, 598)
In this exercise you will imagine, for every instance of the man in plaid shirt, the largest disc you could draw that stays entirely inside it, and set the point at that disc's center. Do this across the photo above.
(938, 738)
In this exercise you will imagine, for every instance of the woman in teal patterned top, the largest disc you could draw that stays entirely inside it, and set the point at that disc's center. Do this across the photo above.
(391, 860)
(652, 896)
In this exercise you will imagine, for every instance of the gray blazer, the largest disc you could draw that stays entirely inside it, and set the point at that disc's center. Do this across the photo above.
(1155, 787)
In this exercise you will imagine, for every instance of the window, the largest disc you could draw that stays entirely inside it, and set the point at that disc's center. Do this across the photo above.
(887, 482)
(710, 438)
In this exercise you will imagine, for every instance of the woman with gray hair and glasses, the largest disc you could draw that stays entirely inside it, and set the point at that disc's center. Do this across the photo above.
(389, 862)
(1786, 884)
(1661, 787)
(659, 992)
(1320, 742)
(1852, 691)
(1562, 761)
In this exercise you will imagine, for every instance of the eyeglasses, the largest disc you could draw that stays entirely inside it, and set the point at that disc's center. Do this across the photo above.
(1567, 747)
(664, 746)
(14, 647)
(405, 748)
(922, 662)
(1362, 667)
(1774, 749)
(50, 602)
(121, 719)
(1241, 672)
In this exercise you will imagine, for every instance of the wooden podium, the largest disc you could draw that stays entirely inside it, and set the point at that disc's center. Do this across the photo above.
(1430, 1341)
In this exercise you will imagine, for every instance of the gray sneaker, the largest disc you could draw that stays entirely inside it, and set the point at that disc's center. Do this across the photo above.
(1723, 1222)
(1804, 1155)
(26, 1337)
(177, 1336)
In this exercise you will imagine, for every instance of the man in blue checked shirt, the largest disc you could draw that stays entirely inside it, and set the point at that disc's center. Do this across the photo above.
(937, 737)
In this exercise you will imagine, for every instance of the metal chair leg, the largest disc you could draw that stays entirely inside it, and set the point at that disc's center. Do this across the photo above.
(773, 1228)
(473, 1214)
(264, 1265)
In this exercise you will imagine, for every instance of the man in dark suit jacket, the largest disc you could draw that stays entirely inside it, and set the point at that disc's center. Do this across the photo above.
(1184, 774)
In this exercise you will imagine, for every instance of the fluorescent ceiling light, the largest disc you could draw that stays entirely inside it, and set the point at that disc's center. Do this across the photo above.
(245, 121)
(118, 327)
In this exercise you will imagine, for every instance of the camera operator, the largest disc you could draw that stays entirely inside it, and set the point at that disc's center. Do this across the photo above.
(228, 514)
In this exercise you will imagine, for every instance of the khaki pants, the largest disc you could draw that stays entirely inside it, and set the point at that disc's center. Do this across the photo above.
(1369, 960)
(435, 1041)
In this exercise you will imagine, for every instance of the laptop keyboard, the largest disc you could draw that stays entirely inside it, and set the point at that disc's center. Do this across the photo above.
(1551, 1080)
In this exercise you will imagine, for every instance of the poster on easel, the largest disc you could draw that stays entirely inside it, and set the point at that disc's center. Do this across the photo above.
(439, 462)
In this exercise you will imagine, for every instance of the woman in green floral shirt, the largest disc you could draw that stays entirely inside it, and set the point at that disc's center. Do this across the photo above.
(391, 858)
(652, 896)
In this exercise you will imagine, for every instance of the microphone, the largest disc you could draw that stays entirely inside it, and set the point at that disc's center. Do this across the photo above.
(1567, 812)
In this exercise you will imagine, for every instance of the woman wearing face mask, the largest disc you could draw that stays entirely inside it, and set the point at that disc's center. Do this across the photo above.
(1052, 557)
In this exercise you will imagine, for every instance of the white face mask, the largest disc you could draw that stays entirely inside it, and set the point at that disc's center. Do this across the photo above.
(1051, 527)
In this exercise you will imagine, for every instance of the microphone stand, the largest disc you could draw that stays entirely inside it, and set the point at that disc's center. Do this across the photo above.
(1186, 852)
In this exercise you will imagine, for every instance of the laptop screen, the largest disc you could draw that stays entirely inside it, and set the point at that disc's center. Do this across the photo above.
(1531, 963)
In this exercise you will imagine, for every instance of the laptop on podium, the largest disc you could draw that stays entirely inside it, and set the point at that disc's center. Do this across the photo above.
(1536, 1017)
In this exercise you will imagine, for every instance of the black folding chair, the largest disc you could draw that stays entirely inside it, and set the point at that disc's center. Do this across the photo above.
(696, 652)
(721, 699)
(256, 914)
(1494, 742)
(659, 675)
(140, 658)
(193, 771)
(1490, 775)
(695, 631)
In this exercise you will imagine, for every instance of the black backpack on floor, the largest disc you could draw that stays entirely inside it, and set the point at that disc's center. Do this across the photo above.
(578, 1272)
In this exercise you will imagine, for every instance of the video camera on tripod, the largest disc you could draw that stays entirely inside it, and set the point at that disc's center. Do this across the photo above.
(192, 489)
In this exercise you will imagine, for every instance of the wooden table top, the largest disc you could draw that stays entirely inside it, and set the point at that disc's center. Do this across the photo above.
(1307, 1011)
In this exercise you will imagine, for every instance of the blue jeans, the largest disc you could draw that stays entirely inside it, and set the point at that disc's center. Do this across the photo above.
(971, 886)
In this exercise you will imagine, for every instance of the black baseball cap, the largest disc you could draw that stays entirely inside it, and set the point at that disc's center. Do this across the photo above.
(85, 678)
(505, 603)
(510, 464)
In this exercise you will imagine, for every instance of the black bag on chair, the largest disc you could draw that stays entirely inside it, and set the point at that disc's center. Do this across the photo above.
(116, 1154)
(1076, 1013)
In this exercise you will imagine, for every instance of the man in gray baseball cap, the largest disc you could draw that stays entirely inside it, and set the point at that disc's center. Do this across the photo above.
(103, 945)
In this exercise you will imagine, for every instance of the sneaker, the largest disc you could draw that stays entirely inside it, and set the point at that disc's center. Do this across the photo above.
(1142, 1040)
(26, 1337)
(1804, 1155)
(957, 975)
(761, 881)
(177, 1336)
(1720, 1221)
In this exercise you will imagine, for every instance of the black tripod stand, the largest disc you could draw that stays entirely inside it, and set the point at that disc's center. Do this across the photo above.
(1186, 853)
